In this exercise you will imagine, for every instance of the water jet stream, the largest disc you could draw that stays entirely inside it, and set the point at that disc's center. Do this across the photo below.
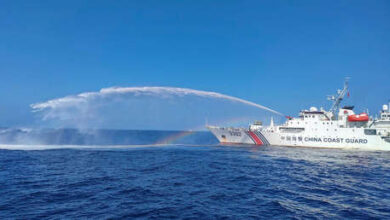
(138, 108)
(137, 91)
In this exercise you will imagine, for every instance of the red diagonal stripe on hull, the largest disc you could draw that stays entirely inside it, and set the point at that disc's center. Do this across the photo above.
(255, 138)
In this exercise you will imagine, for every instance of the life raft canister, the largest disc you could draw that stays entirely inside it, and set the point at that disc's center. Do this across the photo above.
(361, 117)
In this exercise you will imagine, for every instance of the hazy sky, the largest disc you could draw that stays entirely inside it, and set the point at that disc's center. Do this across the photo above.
(286, 55)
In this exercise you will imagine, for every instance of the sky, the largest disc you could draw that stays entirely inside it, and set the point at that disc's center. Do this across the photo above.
(286, 55)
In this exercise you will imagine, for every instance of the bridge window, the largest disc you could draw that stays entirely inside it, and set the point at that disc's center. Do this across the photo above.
(370, 131)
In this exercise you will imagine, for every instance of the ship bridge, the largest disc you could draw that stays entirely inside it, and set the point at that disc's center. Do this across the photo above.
(313, 115)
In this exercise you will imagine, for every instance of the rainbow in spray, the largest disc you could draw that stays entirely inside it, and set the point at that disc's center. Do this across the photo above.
(176, 137)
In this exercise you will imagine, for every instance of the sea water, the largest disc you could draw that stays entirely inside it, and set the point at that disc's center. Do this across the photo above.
(151, 175)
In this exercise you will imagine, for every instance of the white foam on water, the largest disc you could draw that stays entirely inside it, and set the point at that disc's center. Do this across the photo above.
(54, 147)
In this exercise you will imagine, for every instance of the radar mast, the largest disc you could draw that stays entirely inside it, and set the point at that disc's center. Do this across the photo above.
(338, 98)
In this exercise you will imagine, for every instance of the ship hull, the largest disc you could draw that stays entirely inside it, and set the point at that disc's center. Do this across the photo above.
(342, 139)
(240, 136)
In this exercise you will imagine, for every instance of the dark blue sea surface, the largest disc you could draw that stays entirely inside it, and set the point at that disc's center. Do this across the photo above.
(192, 181)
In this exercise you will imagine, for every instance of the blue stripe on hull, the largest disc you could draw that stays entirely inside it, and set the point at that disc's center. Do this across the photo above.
(261, 136)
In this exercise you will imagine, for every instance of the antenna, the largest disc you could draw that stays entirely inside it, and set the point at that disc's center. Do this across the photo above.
(339, 97)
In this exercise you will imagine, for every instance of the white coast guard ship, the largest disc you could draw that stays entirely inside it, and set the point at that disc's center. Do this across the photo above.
(336, 128)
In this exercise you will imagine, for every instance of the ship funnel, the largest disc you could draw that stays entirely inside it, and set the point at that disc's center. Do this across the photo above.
(271, 124)
(385, 108)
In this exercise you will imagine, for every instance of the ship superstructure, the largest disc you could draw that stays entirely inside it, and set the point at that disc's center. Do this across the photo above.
(339, 127)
